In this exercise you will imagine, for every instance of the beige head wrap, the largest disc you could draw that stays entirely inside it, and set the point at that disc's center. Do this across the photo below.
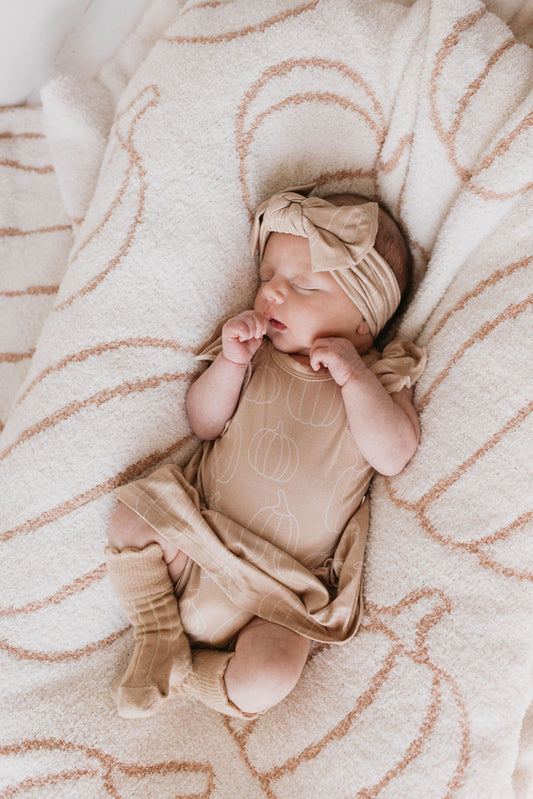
(341, 240)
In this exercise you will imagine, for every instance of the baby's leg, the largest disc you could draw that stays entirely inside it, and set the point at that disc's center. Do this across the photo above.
(143, 567)
(267, 664)
(129, 530)
(264, 668)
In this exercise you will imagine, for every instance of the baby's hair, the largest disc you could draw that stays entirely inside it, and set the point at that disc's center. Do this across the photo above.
(390, 242)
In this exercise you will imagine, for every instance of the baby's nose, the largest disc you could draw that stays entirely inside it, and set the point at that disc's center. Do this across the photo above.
(273, 291)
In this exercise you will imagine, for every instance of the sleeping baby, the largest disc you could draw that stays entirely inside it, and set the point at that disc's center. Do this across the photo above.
(230, 567)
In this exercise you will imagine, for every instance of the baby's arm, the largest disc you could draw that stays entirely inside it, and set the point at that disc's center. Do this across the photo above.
(213, 397)
(385, 426)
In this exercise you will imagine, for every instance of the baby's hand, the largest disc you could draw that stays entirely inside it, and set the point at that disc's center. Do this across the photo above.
(242, 336)
(338, 355)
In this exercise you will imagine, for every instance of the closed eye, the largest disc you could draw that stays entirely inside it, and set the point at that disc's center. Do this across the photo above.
(305, 289)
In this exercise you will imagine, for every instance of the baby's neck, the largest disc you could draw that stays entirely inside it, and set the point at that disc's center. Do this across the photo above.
(300, 358)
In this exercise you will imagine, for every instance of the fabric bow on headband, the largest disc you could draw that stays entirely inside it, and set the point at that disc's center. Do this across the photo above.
(341, 241)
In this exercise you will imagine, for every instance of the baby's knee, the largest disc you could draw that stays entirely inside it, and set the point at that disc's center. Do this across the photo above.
(266, 682)
(128, 529)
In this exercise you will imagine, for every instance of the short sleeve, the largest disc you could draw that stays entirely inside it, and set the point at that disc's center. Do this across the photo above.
(400, 365)
(212, 347)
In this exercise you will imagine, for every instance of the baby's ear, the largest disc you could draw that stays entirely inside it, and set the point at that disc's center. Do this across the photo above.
(362, 328)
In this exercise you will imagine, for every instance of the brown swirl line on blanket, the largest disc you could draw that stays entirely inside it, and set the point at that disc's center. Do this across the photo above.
(394, 160)
(132, 472)
(114, 205)
(9, 232)
(22, 653)
(449, 137)
(4, 109)
(244, 139)
(259, 27)
(511, 312)
(94, 493)
(32, 291)
(12, 164)
(15, 357)
(492, 280)
(242, 733)
(266, 778)
(80, 584)
(206, 4)
(419, 655)
(103, 771)
(8, 135)
(501, 148)
(445, 482)
(135, 164)
(386, 167)
(99, 349)
(16, 164)
(420, 506)
(414, 244)
(101, 397)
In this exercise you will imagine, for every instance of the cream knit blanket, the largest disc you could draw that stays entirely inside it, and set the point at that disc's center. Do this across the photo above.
(124, 234)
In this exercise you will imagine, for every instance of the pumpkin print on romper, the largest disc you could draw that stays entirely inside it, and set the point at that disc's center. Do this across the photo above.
(316, 413)
(228, 459)
(273, 454)
(278, 525)
(268, 390)
(348, 482)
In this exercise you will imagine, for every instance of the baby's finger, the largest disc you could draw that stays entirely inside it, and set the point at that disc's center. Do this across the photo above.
(255, 325)
(233, 327)
(252, 329)
(262, 326)
(318, 357)
(249, 325)
(245, 334)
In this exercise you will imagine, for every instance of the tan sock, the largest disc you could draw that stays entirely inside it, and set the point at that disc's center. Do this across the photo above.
(145, 591)
(206, 682)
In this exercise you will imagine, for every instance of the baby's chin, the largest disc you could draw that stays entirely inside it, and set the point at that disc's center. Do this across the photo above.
(287, 347)
(281, 344)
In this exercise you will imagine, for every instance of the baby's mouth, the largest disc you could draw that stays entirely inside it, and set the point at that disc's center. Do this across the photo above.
(274, 323)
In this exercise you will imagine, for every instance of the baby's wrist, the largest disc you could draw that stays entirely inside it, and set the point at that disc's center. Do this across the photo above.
(235, 363)
(356, 375)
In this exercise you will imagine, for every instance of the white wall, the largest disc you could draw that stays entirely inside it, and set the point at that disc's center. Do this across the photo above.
(33, 33)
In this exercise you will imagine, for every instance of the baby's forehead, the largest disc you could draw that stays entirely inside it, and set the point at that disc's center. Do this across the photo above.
(296, 272)
(288, 263)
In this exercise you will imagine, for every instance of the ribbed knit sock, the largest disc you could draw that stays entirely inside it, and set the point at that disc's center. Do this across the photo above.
(145, 591)
(206, 682)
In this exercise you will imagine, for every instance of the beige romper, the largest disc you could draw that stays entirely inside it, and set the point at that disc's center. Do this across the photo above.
(272, 514)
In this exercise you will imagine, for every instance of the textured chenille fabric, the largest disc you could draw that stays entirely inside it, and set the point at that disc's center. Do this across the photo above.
(125, 214)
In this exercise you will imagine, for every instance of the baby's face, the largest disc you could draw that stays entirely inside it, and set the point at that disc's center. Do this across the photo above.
(301, 305)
